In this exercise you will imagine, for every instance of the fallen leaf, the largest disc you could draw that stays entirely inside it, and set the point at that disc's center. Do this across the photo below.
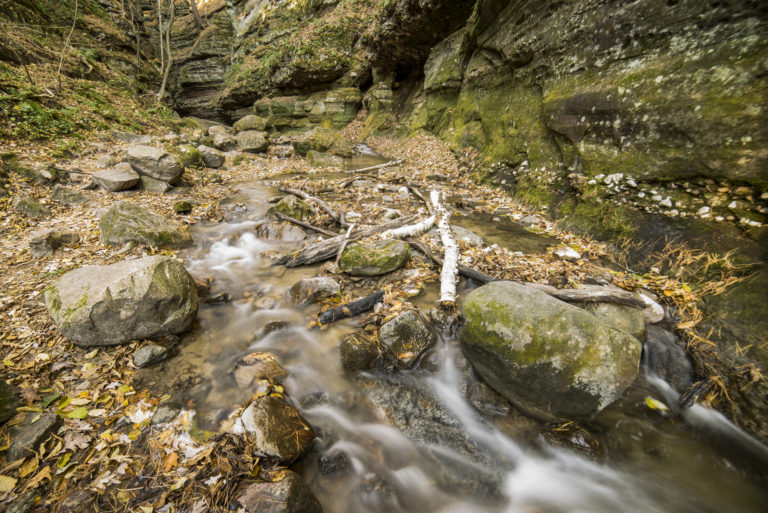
(171, 460)
(655, 404)
(30, 394)
(7, 483)
(74, 440)
(178, 484)
(29, 466)
(35, 481)
(79, 413)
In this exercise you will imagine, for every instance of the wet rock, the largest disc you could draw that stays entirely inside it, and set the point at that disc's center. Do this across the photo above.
(293, 207)
(258, 366)
(552, 360)
(212, 157)
(461, 234)
(27, 205)
(358, 352)
(126, 222)
(46, 242)
(530, 221)
(332, 461)
(183, 207)
(149, 355)
(67, 196)
(277, 429)
(250, 122)
(288, 494)
(668, 359)
(252, 141)
(405, 338)
(376, 258)
(280, 231)
(120, 178)
(165, 413)
(319, 159)
(113, 304)
(625, 318)
(150, 184)
(188, 156)
(9, 401)
(312, 290)
(155, 163)
(29, 434)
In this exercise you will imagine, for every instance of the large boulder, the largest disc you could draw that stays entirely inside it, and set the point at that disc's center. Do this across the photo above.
(323, 140)
(212, 157)
(252, 141)
(373, 259)
(114, 304)
(126, 222)
(188, 155)
(286, 493)
(277, 429)
(155, 163)
(292, 206)
(250, 122)
(405, 338)
(120, 178)
(552, 360)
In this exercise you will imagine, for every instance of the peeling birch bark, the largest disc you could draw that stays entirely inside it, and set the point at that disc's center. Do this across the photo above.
(449, 272)
(413, 230)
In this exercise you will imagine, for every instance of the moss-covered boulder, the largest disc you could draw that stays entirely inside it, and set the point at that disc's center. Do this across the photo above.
(373, 259)
(293, 207)
(27, 205)
(189, 156)
(155, 163)
(115, 304)
(250, 122)
(552, 360)
(323, 140)
(126, 222)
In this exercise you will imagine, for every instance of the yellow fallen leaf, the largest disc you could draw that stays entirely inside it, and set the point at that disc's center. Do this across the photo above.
(178, 484)
(29, 466)
(171, 460)
(655, 404)
(79, 413)
(93, 353)
(64, 460)
(7, 483)
(43, 474)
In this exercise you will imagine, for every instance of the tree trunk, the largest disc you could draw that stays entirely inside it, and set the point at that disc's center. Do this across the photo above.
(198, 21)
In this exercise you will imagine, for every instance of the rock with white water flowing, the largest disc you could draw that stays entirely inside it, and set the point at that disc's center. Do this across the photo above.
(376, 258)
(126, 222)
(312, 290)
(155, 163)
(105, 305)
(120, 178)
(552, 360)
(287, 493)
(280, 231)
(405, 338)
(277, 429)
(212, 157)
(258, 366)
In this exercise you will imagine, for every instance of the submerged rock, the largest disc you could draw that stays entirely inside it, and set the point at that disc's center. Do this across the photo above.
(373, 259)
(319, 159)
(105, 305)
(277, 429)
(25, 437)
(27, 205)
(358, 352)
(258, 366)
(280, 231)
(552, 360)
(312, 290)
(405, 338)
(293, 207)
(155, 163)
(120, 178)
(286, 494)
(126, 222)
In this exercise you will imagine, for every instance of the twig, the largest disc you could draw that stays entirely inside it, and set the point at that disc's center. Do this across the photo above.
(379, 166)
(353, 308)
(64, 49)
(343, 245)
(308, 226)
(320, 203)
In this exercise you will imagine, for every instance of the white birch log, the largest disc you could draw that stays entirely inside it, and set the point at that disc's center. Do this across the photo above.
(449, 272)
(413, 230)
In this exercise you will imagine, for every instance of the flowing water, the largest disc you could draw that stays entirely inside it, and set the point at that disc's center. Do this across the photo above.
(411, 442)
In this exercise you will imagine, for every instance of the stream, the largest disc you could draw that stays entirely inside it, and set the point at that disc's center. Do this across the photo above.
(411, 441)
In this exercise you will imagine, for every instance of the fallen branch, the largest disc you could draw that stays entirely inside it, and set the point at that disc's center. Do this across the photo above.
(418, 194)
(320, 203)
(412, 230)
(352, 309)
(308, 226)
(328, 248)
(586, 294)
(379, 166)
(449, 272)
(343, 245)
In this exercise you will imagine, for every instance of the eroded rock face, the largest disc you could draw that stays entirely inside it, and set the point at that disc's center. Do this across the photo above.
(126, 222)
(373, 259)
(277, 429)
(155, 163)
(552, 360)
(115, 304)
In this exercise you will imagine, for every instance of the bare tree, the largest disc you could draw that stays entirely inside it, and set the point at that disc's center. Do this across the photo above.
(169, 56)
(198, 21)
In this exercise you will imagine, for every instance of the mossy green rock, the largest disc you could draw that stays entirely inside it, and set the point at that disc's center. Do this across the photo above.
(323, 140)
(126, 222)
(250, 122)
(27, 205)
(552, 360)
(293, 207)
(189, 156)
(376, 258)
(130, 300)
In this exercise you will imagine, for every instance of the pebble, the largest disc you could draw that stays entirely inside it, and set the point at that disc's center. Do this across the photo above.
(149, 355)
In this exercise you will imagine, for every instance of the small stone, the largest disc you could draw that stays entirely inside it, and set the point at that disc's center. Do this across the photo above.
(258, 366)
(358, 352)
(666, 202)
(280, 231)
(212, 157)
(223, 141)
(149, 355)
(152, 185)
(250, 122)
(292, 206)
(402, 194)
(277, 429)
(742, 191)
(703, 211)
(530, 221)
(252, 141)
(120, 178)
(165, 413)
(25, 437)
(389, 213)
(46, 242)
(353, 216)
(387, 199)
(182, 207)
(405, 338)
(320, 159)
(313, 290)
(287, 493)
(568, 253)
(374, 259)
